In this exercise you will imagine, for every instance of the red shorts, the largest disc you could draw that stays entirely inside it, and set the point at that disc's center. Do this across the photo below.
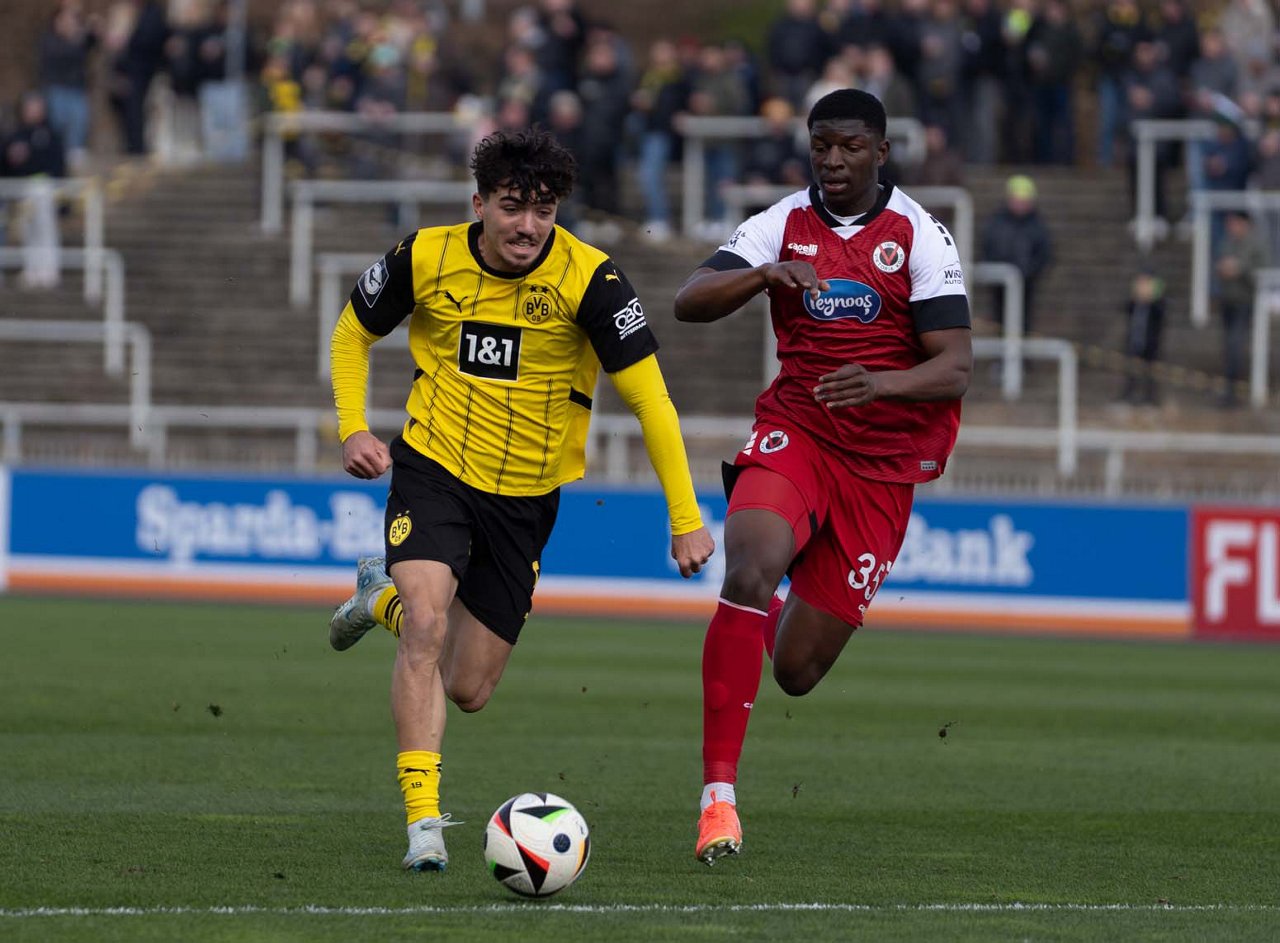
(857, 523)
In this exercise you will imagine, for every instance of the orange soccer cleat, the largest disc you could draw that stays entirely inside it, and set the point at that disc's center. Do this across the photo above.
(719, 832)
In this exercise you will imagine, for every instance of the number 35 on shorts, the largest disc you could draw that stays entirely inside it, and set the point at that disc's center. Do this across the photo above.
(868, 575)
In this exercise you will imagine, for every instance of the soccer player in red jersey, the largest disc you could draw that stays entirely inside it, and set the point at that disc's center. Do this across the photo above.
(868, 304)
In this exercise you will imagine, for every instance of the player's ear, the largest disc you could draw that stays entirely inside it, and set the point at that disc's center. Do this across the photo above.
(477, 204)
(882, 152)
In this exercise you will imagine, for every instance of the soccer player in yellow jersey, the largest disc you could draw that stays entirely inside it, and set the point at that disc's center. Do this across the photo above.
(511, 319)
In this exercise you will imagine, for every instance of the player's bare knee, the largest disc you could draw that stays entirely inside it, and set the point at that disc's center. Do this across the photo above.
(470, 697)
(748, 583)
(796, 681)
(421, 638)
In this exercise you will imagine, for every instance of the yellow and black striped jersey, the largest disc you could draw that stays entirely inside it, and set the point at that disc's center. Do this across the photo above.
(506, 363)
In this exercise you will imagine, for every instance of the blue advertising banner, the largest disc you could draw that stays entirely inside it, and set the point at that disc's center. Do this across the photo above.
(608, 542)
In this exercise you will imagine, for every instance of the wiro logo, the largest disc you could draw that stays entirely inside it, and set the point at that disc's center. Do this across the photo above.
(844, 299)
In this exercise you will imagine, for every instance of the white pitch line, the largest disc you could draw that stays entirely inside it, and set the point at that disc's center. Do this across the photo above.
(535, 907)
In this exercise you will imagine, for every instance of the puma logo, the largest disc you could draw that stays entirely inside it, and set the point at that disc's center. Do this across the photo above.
(612, 278)
(456, 302)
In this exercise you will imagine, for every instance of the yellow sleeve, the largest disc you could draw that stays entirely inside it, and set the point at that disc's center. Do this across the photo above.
(645, 392)
(349, 371)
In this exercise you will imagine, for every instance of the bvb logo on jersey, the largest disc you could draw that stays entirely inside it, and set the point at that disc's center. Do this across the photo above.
(537, 304)
(399, 529)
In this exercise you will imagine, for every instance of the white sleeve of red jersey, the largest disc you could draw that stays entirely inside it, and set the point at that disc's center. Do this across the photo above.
(759, 239)
(935, 262)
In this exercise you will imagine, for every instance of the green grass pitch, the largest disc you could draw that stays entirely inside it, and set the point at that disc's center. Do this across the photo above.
(216, 773)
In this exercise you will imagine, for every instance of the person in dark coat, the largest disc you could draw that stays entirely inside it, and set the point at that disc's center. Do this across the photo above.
(1017, 234)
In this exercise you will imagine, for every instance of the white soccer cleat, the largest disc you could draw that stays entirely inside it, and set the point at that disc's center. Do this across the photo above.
(426, 844)
(353, 618)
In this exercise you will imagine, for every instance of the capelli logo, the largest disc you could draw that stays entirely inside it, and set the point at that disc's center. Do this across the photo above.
(803, 248)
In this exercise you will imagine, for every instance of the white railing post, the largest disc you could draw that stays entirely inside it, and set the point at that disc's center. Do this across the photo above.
(140, 386)
(113, 312)
(272, 173)
(1068, 394)
(300, 245)
(94, 228)
(330, 311)
(693, 188)
(1009, 277)
(1264, 307)
(1201, 237)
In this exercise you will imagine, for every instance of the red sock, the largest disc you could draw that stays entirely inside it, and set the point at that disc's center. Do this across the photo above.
(771, 625)
(731, 660)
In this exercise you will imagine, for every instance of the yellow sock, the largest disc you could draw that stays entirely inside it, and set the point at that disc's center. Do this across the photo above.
(388, 611)
(419, 774)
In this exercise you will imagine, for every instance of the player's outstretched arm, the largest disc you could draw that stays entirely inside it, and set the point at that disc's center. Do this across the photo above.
(710, 294)
(363, 454)
(943, 374)
(643, 390)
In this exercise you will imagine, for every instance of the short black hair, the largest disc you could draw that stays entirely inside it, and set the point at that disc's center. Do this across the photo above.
(850, 104)
(531, 162)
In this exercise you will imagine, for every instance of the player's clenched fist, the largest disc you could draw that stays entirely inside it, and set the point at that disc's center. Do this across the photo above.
(691, 551)
(364, 455)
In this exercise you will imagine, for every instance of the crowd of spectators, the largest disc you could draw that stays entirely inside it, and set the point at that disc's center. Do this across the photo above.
(992, 81)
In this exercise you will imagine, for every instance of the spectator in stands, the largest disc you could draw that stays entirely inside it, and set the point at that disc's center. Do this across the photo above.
(64, 58)
(1017, 234)
(662, 94)
(797, 48)
(565, 122)
(1237, 260)
(883, 80)
(1151, 91)
(1144, 325)
(942, 165)
(982, 80)
(605, 91)
(1018, 131)
(135, 37)
(716, 90)
(563, 35)
(1118, 29)
(1177, 36)
(865, 24)
(938, 72)
(1213, 79)
(1054, 50)
(523, 80)
(773, 157)
(35, 150)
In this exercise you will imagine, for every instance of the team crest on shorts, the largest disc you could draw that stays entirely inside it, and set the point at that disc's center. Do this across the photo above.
(399, 530)
(888, 257)
(775, 441)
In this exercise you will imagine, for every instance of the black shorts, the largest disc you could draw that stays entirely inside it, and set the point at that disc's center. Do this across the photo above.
(492, 542)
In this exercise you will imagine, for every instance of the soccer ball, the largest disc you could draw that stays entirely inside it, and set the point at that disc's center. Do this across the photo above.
(536, 844)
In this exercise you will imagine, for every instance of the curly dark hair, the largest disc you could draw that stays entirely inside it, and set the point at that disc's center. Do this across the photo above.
(532, 162)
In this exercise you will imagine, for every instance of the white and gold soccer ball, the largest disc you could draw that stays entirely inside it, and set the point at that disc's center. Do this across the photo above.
(536, 844)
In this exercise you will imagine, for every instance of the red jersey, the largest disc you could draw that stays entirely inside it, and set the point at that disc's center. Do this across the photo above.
(894, 274)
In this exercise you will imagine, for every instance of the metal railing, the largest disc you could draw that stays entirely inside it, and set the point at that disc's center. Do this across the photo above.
(101, 260)
(1203, 205)
(277, 126)
(1147, 134)
(94, 223)
(137, 411)
(697, 130)
(1266, 303)
(307, 193)
(335, 269)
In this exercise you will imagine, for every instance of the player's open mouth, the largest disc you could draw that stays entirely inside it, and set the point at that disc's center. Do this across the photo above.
(835, 186)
